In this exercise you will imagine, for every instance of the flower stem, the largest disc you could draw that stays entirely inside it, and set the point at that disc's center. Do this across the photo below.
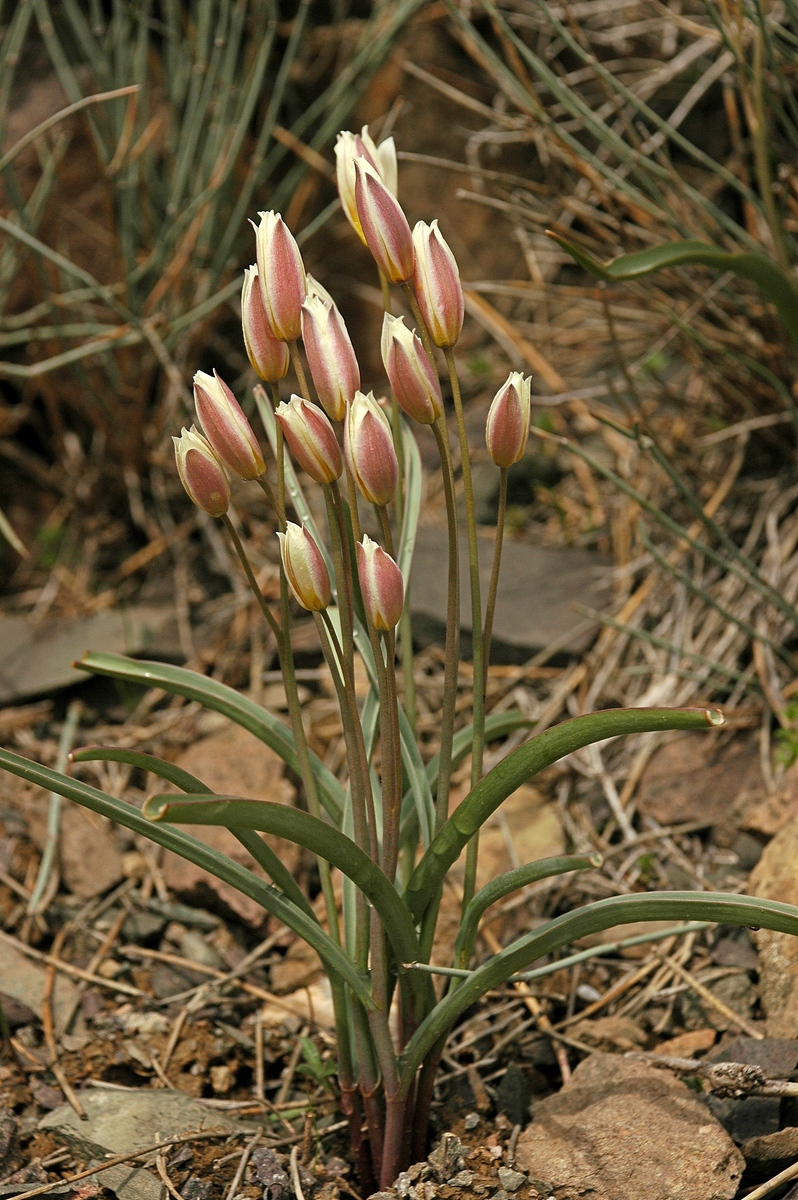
(251, 580)
(477, 750)
(299, 370)
(490, 607)
(279, 453)
(452, 648)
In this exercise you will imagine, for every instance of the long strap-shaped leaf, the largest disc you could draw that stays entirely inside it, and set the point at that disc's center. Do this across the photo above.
(536, 754)
(316, 836)
(770, 279)
(272, 864)
(509, 882)
(726, 909)
(335, 960)
(221, 698)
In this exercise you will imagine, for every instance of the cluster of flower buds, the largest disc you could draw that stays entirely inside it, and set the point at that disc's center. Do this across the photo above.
(280, 303)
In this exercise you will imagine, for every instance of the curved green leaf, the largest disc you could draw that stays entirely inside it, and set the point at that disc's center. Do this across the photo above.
(726, 909)
(147, 762)
(220, 698)
(536, 754)
(511, 881)
(497, 725)
(776, 285)
(336, 962)
(315, 835)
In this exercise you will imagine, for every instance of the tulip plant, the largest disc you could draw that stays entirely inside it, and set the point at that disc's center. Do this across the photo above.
(386, 827)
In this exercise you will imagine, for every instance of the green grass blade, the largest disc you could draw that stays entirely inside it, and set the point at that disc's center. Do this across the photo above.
(335, 960)
(220, 698)
(777, 287)
(521, 765)
(726, 909)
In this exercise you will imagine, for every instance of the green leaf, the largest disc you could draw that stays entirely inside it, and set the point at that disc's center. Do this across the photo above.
(220, 698)
(511, 881)
(146, 762)
(336, 962)
(536, 754)
(726, 909)
(770, 279)
(315, 835)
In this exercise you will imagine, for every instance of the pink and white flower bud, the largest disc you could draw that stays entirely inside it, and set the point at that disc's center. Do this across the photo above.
(305, 568)
(311, 439)
(331, 357)
(507, 428)
(269, 356)
(384, 224)
(369, 449)
(436, 280)
(225, 426)
(413, 377)
(381, 584)
(201, 473)
(282, 276)
(382, 158)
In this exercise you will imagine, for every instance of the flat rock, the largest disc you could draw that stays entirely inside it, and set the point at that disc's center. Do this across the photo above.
(775, 878)
(24, 980)
(689, 780)
(771, 813)
(231, 762)
(123, 1122)
(86, 838)
(36, 658)
(622, 1130)
(538, 590)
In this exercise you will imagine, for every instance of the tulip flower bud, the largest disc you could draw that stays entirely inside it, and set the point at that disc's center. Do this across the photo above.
(317, 289)
(305, 568)
(269, 356)
(281, 274)
(385, 228)
(226, 427)
(436, 280)
(201, 473)
(331, 358)
(413, 377)
(382, 158)
(369, 449)
(311, 439)
(381, 584)
(507, 428)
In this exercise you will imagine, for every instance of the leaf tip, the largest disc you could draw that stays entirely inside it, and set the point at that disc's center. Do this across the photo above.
(154, 807)
(714, 717)
(596, 859)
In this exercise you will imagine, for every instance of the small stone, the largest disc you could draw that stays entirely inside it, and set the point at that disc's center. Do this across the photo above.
(403, 1184)
(194, 947)
(448, 1157)
(510, 1179)
(269, 1172)
(222, 1079)
(195, 1189)
(461, 1179)
(471, 1121)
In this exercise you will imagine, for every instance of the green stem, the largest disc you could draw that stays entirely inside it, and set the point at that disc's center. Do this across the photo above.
(452, 646)
(299, 370)
(490, 607)
(759, 136)
(279, 453)
(469, 881)
(251, 580)
(65, 744)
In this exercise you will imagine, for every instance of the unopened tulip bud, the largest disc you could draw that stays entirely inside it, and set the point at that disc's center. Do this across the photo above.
(201, 473)
(384, 224)
(282, 276)
(305, 568)
(225, 426)
(381, 585)
(317, 289)
(331, 358)
(269, 356)
(413, 377)
(369, 449)
(507, 428)
(382, 158)
(436, 280)
(311, 439)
